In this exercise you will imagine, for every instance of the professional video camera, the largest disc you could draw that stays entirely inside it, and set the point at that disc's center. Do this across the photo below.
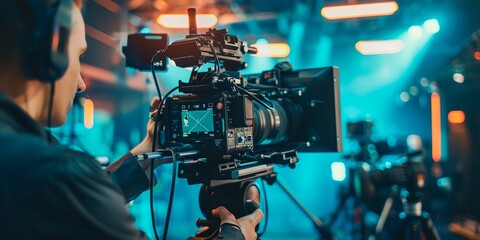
(377, 170)
(241, 126)
(407, 171)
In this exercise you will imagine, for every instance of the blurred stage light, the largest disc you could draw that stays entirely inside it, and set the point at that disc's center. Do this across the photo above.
(431, 26)
(144, 30)
(458, 77)
(445, 183)
(413, 90)
(436, 127)
(424, 82)
(88, 110)
(477, 55)
(275, 50)
(456, 117)
(261, 41)
(339, 172)
(379, 47)
(415, 32)
(405, 97)
(181, 20)
(359, 10)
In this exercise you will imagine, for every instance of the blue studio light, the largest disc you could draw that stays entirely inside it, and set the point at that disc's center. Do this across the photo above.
(415, 32)
(145, 30)
(431, 26)
(261, 41)
(339, 172)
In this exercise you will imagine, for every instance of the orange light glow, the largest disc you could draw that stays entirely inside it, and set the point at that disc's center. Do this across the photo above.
(56, 40)
(477, 55)
(275, 50)
(359, 10)
(436, 127)
(456, 117)
(88, 110)
(181, 20)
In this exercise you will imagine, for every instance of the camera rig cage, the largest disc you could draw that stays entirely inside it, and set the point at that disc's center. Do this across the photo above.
(241, 126)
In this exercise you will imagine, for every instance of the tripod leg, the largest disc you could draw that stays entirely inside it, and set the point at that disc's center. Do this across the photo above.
(335, 214)
(401, 232)
(321, 227)
(383, 216)
(428, 228)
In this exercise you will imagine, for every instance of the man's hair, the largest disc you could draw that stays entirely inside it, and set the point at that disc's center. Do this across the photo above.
(10, 24)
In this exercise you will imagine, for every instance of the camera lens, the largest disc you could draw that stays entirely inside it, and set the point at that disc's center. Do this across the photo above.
(278, 125)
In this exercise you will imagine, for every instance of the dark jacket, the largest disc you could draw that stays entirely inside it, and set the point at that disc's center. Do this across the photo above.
(51, 192)
(48, 191)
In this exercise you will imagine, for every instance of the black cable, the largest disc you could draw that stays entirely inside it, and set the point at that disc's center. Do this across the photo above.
(207, 74)
(170, 199)
(152, 210)
(266, 209)
(172, 187)
(217, 60)
(154, 142)
(240, 89)
(163, 100)
(152, 161)
(152, 66)
(50, 110)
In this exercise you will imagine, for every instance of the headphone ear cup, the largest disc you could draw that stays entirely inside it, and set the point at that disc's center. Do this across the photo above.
(59, 38)
(45, 39)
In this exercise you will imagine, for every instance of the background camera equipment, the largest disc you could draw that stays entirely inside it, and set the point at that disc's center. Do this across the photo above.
(406, 178)
(353, 195)
(241, 127)
(409, 174)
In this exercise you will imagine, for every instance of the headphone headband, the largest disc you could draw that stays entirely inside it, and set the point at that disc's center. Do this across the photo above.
(45, 37)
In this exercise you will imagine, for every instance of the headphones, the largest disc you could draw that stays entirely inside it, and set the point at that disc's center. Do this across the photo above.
(45, 35)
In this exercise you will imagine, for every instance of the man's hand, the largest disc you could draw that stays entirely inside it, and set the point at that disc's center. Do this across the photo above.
(146, 145)
(247, 223)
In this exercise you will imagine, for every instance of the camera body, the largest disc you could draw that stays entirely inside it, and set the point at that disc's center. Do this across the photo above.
(220, 123)
(241, 138)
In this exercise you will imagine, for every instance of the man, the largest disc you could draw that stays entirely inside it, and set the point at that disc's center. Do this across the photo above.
(51, 192)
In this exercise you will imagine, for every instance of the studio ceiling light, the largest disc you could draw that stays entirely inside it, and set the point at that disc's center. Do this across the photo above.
(275, 50)
(181, 20)
(379, 47)
(359, 10)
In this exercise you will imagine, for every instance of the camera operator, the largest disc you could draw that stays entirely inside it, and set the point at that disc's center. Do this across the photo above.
(48, 191)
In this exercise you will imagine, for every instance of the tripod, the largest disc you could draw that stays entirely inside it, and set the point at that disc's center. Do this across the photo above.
(242, 199)
(414, 223)
(353, 198)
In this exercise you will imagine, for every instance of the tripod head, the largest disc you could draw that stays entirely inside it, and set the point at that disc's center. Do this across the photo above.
(240, 199)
